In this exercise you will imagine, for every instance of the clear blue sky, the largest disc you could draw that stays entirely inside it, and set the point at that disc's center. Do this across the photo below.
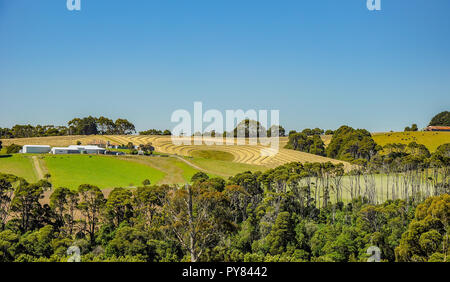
(322, 63)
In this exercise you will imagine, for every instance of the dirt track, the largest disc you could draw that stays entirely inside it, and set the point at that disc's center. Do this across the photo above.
(37, 168)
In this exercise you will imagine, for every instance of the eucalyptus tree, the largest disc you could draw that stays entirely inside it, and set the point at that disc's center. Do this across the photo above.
(91, 204)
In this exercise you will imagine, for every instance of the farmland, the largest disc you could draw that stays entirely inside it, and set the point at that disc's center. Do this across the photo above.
(116, 171)
(102, 171)
(20, 165)
(247, 154)
(431, 140)
(178, 166)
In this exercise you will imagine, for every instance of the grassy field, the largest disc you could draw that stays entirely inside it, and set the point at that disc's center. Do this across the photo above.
(431, 140)
(102, 171)
(113, 171)
(225, 168)
(213, 155)
(176, 171)
(20, 165)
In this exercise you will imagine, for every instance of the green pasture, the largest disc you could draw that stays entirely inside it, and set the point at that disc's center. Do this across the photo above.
(19, 165)
(213, 155)
(225, 168)
(103, 171)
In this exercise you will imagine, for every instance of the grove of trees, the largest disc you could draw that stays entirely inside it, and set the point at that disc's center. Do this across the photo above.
(308, 141)
(442, 119)
(351, 144)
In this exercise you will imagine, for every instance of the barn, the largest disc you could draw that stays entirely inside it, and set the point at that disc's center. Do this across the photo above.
(438, 128)
(36, 149)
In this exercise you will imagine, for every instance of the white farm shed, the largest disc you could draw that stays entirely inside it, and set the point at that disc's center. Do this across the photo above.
(36, 149)
(88, 149)
(64, 150)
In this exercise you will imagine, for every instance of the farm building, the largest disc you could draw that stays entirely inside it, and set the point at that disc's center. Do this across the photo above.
(75, 149)
(36, 149)
(64, 150)
(88, 149)
(437, 128)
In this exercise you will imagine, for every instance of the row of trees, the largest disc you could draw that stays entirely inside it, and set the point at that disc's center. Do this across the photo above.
(251, 128)
(21, 131)
(155, 132)
(77, 126)
(346, 144)
(102, 125)
(248, 128)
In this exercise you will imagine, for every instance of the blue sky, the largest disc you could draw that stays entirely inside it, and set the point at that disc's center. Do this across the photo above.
(322, 63)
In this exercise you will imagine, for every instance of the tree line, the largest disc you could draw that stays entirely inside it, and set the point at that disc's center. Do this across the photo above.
(155, 132)
(346, 144)
(77, 126)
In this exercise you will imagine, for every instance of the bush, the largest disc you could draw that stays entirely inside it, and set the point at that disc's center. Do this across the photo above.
(13, 149)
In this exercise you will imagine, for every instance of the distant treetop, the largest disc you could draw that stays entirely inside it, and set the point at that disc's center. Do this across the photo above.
(442, 119)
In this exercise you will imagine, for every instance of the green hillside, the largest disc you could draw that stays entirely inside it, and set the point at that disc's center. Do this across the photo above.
(102, 171)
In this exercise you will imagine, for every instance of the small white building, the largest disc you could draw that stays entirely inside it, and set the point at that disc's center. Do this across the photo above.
(36, 149)
(64, 150)
(88, 149)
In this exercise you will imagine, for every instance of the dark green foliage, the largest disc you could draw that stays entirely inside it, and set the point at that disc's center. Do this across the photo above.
(77, 126)
(274, 128)
(351, 144)
(441, 119)
(427, 236)
(412, 128)
(83, 126)
(291, 213)
(311, 143)
(13, 149)
(155, 132)
(248, 128)
(199, 176)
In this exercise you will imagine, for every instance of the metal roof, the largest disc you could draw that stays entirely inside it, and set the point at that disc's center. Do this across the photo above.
(37, 146)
